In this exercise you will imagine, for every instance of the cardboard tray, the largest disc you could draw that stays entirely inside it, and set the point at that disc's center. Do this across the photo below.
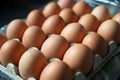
(106, 68)
(10, 72)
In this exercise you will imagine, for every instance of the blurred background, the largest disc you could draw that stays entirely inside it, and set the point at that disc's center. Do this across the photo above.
(12, 9)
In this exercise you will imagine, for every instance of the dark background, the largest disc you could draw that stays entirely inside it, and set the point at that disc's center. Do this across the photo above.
(13, 9)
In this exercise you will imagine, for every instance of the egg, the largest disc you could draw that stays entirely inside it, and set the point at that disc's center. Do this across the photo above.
(81, 7)
(3, 39)
(32, 63)
(73, 32)
(65, 3)
(53, 25)
(79, 57)
(89, 22)
(110, 31)
(56, 70)
(101, 12)
(11, 51)
(96, 43)
(50, 9)
(116, 17)
(35, 18)
(54, 46)
(33, 37)
(16, 29)
(68, 15)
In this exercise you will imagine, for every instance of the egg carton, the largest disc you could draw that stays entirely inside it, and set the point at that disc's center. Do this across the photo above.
(107, 68)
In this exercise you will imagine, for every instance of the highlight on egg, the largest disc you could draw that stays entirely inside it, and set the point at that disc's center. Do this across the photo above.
(11, 51)
(81, 7)
(65, 3)
(89, 22)
(35, 18)
(50, 9)
(101, 12)
(32, 63)
(33, 37)
(73, 32)
(53, 25)
(16, 29)
(68, 15)
(96, 43)
(110, 30)
(56, 70)
(54, 46)
(79, 57)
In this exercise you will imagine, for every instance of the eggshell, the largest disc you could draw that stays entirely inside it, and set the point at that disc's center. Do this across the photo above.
(53, 25)
(101, 13)
(66, 3)
(89, 22)
(35, 18)
(116, 17)
(79, 57)
(32, 63)
(33, 37)
(50, 9)
(56, 70)
(11, 51)
(16, 29)
(54, 46)
(81, 7)
(73, 32)
(110, 31)
(96, 43)
(68, 15)
(3, 39)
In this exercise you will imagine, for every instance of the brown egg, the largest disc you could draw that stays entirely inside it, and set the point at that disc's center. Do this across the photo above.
(3, 39)
(50, 9)
(65, 3)
(73, 32)
(16, 29)
(11, 51)
(35, 18)
(110, 31)
(56, 70)
(32, 63)
(101, 13)
(79, 57)
(33, 37)
(96, 43)
(89, 22)
(55, 46)
(53, 25)
(116, 17)
(80, 8)
(68, 15)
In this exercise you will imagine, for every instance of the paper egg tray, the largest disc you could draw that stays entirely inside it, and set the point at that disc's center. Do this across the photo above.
(107, 68)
